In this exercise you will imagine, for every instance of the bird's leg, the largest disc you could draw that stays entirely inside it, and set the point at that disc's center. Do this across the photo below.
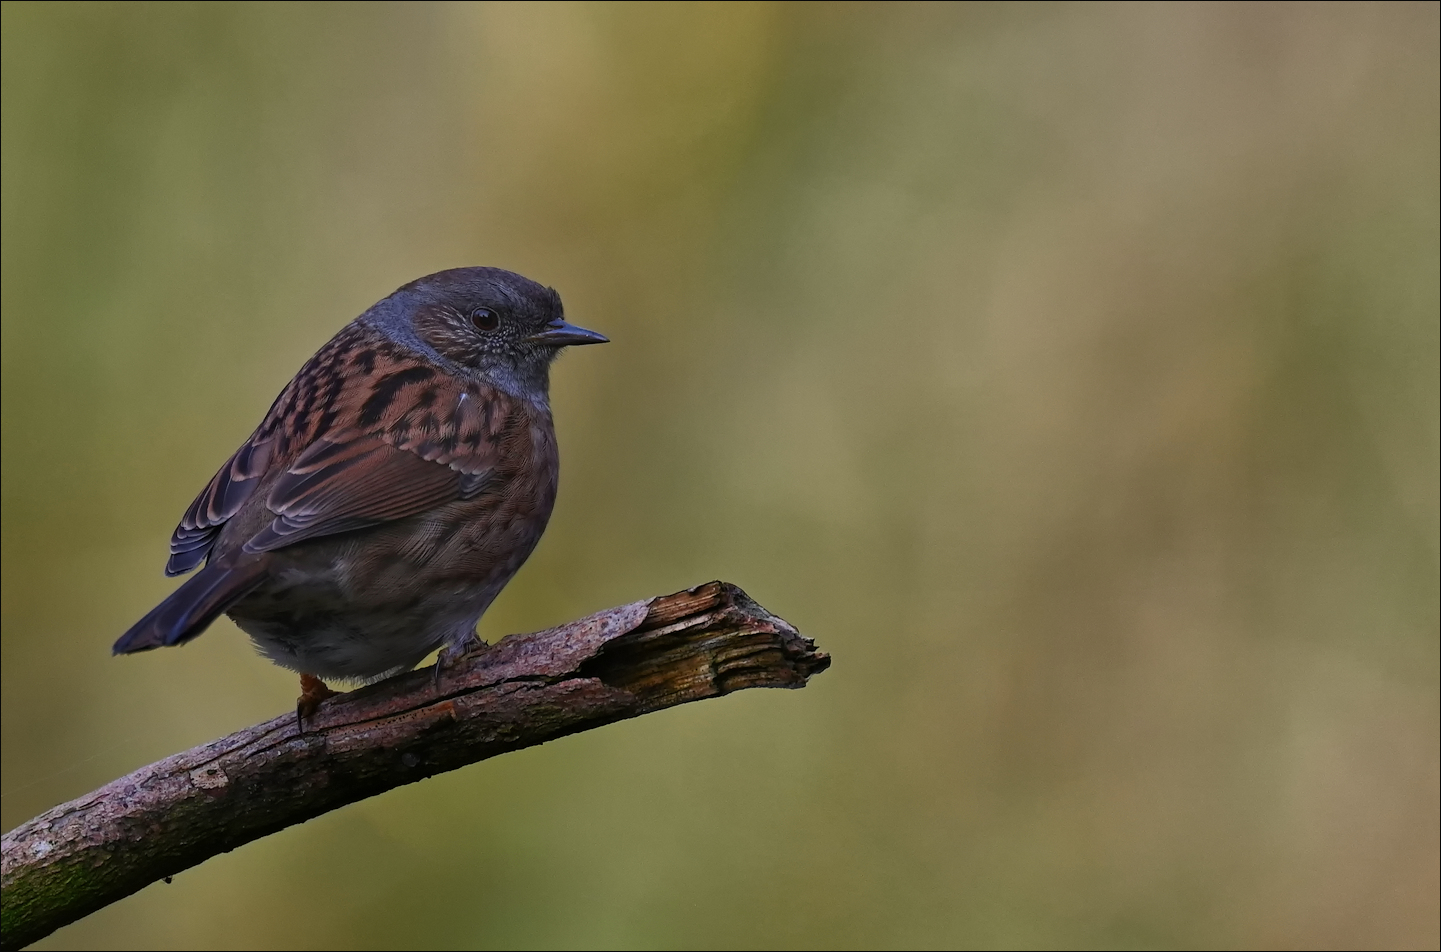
(453, 651)
(312, 692)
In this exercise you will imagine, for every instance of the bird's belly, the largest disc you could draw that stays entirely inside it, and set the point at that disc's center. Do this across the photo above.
(361, 612)
(337, 648)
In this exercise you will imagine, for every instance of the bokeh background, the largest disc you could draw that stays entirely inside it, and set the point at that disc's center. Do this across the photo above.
(1068, 371)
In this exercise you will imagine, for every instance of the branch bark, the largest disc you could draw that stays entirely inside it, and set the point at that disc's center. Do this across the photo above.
(526, 690)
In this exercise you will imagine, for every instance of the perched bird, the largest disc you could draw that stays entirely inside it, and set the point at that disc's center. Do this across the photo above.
(394, 488)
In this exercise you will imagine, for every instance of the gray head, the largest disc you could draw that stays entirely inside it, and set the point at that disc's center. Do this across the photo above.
(501, 327)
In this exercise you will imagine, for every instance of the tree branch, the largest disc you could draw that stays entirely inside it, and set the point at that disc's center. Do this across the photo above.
(526, 690)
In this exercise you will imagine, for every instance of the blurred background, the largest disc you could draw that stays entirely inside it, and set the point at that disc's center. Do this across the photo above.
(1069, 372)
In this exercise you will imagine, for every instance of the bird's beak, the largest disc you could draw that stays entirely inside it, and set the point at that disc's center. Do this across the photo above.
(560, 334)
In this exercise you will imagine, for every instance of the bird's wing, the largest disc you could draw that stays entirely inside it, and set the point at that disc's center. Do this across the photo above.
(217, 503)
(362, 435)
(337, 486)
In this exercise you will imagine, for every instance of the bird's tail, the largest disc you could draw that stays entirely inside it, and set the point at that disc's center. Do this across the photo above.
(192, 607)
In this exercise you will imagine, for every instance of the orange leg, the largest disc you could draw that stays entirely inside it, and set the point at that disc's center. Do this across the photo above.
(312, 692)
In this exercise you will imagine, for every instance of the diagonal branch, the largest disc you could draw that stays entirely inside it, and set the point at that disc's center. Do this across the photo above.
(528, 689)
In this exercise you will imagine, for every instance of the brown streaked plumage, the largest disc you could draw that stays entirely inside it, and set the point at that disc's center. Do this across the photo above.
(395, 486)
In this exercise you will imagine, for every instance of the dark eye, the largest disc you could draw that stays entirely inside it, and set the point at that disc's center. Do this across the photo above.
(484, 319)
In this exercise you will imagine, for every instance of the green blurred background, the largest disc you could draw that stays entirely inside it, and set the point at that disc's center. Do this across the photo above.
(1069, 372)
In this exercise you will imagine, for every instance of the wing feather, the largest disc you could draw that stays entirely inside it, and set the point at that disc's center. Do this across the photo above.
(364, 434)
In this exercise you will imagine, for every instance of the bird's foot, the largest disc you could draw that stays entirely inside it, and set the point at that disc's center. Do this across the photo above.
(312, 692)
(453, 653)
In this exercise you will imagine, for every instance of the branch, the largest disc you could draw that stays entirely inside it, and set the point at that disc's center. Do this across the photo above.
(526, 690)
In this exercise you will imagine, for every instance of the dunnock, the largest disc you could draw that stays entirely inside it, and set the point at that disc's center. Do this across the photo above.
(393, 489)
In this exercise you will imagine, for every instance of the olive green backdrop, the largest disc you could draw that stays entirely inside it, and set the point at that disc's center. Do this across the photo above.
(1069, 372)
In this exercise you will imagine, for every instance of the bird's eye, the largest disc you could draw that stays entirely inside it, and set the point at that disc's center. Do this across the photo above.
(484, 319)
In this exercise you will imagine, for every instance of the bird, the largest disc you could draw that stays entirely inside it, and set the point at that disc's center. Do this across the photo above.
(395, 486)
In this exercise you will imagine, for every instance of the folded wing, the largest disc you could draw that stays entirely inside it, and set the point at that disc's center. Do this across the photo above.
(338, 487)
(363, 435)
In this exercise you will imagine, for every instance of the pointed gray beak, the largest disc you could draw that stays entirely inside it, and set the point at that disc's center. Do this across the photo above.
(560, 334)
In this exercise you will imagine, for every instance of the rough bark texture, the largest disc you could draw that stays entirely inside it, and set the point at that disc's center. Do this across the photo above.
(528, 689)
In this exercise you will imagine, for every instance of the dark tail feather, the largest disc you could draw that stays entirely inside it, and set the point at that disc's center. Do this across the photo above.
(191, 608)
